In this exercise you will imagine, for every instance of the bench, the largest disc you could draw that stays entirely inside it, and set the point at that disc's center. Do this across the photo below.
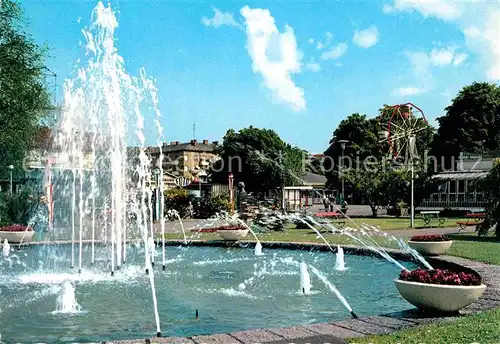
(428, 216)
(464, 224)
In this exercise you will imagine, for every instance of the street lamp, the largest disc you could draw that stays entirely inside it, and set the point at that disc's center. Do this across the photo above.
(156, 173)
(343, 143)
(11, 167)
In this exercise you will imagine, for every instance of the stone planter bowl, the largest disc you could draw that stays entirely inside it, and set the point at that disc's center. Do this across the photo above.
(233, 234)
(430, 248)
(17, 237)
(439, 297)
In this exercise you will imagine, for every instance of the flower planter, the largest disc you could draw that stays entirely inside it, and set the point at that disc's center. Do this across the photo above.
(430, 248)
(232, 234)
(439, 297)
(16, 237)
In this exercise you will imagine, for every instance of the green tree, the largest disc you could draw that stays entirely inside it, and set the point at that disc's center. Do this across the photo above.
(24, 99)
(377, 184)
(363, 136)
(490, 185)
(259, 158)
(471, 123)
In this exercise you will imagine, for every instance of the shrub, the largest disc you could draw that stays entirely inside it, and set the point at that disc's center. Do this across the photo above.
(439, 276)
(429, 238)
(16, 208)
(179, 200)
(15, 228)
(209, 206)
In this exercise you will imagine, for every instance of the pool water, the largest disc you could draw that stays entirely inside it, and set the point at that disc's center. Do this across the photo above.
(231, 288)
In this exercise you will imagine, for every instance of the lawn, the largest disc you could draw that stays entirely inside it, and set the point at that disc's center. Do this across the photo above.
(480, 328)
(390, 223)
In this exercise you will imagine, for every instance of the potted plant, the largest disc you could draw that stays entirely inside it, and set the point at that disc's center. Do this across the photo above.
(439, 290)
(16, 233)
(430, 244)
(232, 232)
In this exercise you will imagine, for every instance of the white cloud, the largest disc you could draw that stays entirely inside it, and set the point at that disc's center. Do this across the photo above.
(409, 91)
(442, 9)
(420, 63)
(387, 9)
(323, 44)
(313, 66)
(220, 19)
(366, 38)
(310, 40)
(335, 53)
(459, 59)
(478, 20)
(274, 55)
(442, 56)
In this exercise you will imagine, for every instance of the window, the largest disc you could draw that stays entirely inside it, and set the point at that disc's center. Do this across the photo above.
(453, 186)
(461, 186)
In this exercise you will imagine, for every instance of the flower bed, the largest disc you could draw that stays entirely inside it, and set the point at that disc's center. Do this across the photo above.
(15, 228)
(429, 238)
(221, 228)
(439, 276)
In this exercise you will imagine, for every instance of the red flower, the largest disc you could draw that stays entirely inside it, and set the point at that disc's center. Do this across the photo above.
(15, 228)
(439, 276)
(432, 237)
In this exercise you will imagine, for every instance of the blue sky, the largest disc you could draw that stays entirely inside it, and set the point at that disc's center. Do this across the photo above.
(298, 67)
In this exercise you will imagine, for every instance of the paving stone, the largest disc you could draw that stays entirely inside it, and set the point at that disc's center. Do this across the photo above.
(394, 323)
(333, 330)
(292, 332)
(172, 340)
(418, 317)
(363, 327)
(222, 338)
(319, 339)
(256, 336)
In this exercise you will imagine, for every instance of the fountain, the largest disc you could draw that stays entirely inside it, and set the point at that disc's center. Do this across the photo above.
(103, 194)
(6, 248)
(339, 259)
(66, 300)
(305, 279)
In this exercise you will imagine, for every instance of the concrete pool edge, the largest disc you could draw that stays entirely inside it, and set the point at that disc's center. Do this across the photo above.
(348, 328)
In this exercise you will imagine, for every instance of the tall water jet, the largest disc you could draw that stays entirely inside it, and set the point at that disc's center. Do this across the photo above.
(6, 248)
(339, 261)
(305, 279)
(66, 300)
(102, 109)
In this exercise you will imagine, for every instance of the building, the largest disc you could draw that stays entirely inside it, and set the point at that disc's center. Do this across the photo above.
(457, 189)
(189, 160)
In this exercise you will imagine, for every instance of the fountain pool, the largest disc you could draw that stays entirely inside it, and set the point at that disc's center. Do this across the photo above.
(232, 289)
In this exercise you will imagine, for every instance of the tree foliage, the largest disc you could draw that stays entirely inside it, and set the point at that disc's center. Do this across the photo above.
(490, 185)
(260, 159)
(24, 99)
(471, 123)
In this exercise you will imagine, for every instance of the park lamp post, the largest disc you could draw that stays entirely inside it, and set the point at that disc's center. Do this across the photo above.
(11, 167)
(343, 144)
(156, 173)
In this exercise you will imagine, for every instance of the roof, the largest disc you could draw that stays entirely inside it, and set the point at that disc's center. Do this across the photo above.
(313, 179)
(466, 175)
(198, 147)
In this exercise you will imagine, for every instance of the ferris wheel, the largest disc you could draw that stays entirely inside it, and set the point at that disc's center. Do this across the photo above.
(405, 123)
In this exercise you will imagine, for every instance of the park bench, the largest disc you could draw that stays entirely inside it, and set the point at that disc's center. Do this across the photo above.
(473, 219)
(430, 215)
(334, 218)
